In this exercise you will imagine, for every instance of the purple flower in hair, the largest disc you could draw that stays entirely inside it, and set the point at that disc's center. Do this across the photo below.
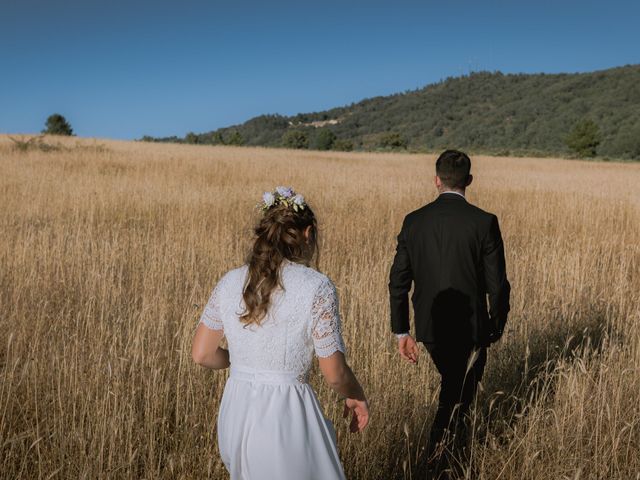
(286, 192)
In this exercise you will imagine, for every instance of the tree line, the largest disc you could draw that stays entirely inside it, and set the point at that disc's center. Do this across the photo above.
(583, 114)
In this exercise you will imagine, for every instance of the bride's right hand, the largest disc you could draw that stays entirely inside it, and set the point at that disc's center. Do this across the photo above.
(360, 418)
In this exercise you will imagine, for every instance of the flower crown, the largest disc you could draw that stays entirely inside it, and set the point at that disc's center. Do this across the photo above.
(282, 196)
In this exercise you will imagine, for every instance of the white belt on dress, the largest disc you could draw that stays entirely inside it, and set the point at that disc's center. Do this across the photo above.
(272, 377)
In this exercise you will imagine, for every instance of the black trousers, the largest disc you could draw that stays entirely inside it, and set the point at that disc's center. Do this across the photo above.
(457, 389)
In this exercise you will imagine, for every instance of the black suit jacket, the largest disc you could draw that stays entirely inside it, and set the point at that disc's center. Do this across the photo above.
(453, 254)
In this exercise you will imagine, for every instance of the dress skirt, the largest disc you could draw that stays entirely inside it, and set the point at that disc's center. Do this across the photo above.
(271, 426)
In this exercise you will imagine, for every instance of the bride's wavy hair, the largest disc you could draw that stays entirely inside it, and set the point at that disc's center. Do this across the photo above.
(280, 234)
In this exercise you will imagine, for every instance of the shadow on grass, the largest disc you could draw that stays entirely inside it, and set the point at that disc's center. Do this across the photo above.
(519, 373)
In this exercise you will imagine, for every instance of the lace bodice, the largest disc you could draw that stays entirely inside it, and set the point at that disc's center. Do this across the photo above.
(302, 318)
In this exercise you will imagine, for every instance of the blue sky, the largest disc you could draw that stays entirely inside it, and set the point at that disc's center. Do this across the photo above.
(123, 69)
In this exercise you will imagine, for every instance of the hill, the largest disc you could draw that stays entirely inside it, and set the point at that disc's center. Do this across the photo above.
(482, 112)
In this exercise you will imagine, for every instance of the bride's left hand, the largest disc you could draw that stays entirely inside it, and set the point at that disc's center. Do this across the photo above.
(360, 409)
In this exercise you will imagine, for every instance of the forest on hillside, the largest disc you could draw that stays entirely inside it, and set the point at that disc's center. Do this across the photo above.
(581, 114)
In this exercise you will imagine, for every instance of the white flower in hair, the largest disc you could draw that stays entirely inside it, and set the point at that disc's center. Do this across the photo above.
(269, 199)
(298, 200)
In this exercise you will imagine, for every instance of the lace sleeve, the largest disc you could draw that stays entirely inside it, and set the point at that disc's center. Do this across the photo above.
(326, 330)
(211, 316)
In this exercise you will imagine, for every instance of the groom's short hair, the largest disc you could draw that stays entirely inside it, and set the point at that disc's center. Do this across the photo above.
(453, 168)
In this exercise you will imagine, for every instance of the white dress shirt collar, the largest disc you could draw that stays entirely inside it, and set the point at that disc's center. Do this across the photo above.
(456, 193)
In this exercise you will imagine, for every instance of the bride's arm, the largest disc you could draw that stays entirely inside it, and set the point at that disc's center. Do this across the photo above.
(341, 379)
(206, 350)
(339, 376)
(329, 347)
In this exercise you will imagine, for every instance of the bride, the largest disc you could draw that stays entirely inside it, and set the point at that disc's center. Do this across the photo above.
(275, 311)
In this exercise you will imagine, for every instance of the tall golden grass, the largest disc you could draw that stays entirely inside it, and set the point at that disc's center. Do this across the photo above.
(110, 249)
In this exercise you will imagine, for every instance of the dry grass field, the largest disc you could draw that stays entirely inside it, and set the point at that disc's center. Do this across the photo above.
(110, 249)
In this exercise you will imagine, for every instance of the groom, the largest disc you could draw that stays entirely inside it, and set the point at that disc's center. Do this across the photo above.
(452, 253)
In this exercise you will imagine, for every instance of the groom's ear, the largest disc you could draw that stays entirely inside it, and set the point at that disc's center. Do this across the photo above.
(437, 181)
(469, 179)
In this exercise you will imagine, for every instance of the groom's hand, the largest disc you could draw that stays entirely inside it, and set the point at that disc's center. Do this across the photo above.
(408, 349)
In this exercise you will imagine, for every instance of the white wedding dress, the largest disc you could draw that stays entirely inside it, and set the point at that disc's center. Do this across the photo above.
(270, 424)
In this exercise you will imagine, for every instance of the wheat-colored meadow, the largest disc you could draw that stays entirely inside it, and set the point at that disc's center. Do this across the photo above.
(109, 251)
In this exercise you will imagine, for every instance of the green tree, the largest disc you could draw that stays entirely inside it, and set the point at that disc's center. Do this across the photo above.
(343, 145)
(57, 125)
(216, 138)
(295, 139)
(235, 138)
(393, 140)
(191, 138)
(324, 139)
(627, 143)
(584, 138)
